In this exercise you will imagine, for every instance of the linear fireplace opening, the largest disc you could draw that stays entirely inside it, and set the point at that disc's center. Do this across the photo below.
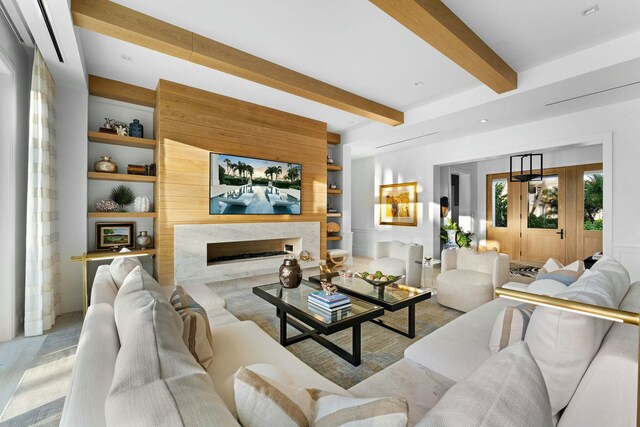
(224, 252)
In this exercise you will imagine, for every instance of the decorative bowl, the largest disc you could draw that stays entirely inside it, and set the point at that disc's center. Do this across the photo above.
(380, 283)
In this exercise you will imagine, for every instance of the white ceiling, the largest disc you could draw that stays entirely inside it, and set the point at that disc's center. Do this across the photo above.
(357, 47)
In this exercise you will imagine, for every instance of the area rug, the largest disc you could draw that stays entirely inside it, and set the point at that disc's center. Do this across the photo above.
(380, 347)
(39, 398)
(523, 270)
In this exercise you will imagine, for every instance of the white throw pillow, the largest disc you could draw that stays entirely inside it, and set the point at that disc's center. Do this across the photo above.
(259, 398)
(506, 390)
(566, 275)
(548, 287)
(564, 343)
(121, 267)
(510, 326)
(137, 280)
(551, 265)
(156, 381)
(616, 272)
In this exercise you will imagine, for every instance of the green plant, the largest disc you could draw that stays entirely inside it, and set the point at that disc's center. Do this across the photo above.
(500, 208)
(122, 195)
(450, 225)
(463, 238)
(595, 225)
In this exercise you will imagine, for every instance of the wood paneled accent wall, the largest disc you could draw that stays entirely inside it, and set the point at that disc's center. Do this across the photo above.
(190, 123)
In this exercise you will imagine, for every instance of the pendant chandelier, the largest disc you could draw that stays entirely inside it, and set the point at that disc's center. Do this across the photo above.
(528, 167)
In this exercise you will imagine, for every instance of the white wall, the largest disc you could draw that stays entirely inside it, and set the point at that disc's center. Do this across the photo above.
(618, 121)
(15, 83)
(71, 139)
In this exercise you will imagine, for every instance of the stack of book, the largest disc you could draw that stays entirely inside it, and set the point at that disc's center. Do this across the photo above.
(330, 303)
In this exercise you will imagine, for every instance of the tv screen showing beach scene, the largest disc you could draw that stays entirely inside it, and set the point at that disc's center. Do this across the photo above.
(244, 185)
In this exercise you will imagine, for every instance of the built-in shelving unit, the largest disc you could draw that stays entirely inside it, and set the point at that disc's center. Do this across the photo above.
(334, 177)
(122, 102)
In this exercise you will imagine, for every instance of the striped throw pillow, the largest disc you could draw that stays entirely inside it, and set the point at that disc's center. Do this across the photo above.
(510, 326)
(566, 275)
(260, 398)
(196, 332)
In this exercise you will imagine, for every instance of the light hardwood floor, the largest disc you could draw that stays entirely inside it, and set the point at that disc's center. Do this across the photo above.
(35, 373)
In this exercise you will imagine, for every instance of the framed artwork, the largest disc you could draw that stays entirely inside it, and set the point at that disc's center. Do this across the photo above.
(398, 204)
(115, 235)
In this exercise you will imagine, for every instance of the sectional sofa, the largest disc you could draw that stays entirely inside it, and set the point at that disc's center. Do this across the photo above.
(605, 395)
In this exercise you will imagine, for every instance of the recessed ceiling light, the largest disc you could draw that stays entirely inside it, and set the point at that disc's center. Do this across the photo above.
(590, 11)
(484, 120)
(418, 83)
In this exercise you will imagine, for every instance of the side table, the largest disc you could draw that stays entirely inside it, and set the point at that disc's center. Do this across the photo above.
(427, 271)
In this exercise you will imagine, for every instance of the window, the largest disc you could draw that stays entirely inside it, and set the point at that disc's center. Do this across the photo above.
(542, 203)
(593, 200)
(500, 207)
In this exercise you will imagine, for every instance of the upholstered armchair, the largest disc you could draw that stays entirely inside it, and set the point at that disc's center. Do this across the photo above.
(468, 278)
(399, 258)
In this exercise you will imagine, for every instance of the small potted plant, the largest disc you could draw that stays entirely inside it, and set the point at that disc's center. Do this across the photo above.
(450, 230)
(123, 196)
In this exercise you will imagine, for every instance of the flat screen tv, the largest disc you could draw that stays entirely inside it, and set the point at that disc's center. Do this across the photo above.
(244, 185)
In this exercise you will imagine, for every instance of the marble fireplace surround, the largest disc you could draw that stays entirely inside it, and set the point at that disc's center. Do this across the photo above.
(191, 242)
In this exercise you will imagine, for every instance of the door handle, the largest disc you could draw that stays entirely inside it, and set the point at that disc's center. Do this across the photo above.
(561, 233)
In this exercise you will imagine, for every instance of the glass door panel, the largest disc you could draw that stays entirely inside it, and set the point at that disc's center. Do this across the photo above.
(543, 218)
(542, 203)
(500, 191)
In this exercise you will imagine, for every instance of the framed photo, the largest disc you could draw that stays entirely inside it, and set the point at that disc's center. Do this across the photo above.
(398, 204)
(115, 235)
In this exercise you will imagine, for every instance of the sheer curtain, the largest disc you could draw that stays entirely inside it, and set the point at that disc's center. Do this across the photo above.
(42, 275)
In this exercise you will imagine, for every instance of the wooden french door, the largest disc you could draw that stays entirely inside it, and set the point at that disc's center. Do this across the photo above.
(543, 217)
(553, 218)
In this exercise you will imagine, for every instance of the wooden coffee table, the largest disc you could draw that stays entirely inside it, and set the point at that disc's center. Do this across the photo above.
(293, 309)
(391, 297)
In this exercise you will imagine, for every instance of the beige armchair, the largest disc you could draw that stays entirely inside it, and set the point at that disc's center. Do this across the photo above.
(468, 278)
(399, 258)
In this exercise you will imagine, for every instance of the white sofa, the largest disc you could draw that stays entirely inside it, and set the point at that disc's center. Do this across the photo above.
(399, 258)
(606, 394)
(468, 278)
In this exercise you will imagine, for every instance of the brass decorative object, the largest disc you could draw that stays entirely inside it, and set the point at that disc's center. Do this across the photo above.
(329, 288)
(105, 165)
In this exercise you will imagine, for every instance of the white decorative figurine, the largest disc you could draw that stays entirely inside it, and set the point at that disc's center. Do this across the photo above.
(141, 204)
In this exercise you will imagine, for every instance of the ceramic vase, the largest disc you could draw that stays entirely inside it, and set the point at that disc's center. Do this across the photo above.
(136, 130)
(143, 241)
(106, 165)
(141, 204)
(290, 273)
(451, 239)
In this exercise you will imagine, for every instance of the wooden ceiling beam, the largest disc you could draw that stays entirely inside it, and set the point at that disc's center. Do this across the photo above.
(436, 24)
(114, 20)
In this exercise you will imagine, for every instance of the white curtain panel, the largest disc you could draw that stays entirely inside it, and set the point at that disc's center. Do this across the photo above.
(42, 274)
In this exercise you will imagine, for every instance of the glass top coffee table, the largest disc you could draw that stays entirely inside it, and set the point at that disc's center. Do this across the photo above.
(391, 297)
(293, 309)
